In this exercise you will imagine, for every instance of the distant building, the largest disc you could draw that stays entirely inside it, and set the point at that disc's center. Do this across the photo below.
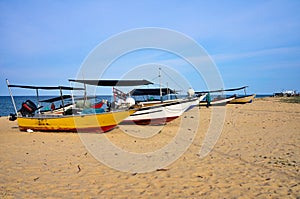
(286, 93)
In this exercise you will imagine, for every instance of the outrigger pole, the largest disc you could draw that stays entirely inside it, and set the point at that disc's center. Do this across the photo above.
(12, 98)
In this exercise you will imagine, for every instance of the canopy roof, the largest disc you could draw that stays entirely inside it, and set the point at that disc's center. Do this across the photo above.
(222, 90)
(151, 91)
(112, 82)
(46, 87)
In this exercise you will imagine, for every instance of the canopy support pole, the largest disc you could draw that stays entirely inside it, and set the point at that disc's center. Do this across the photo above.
(62, 100)
(168, 92)
(85, 96)
(38, 99)
(12, 98)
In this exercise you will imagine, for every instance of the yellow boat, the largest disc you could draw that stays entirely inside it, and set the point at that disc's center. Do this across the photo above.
(101, 122)
(243, 99)
(95, 120)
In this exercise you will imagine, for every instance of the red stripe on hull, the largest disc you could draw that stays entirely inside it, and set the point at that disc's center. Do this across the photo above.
(156, 121)
(80, 130)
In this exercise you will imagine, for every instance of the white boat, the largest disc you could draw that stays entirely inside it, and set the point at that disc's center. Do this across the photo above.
(161, 113)
(158, 113)
(161, 105)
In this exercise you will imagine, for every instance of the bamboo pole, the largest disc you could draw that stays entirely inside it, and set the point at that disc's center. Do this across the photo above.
(62, 100)
(12, 98)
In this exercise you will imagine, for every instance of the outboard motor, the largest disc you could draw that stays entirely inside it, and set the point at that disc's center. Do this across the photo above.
(28, 108)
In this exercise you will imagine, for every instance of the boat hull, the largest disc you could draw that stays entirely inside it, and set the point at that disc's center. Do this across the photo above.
(75, 123)
(243, 99)
(159, 114)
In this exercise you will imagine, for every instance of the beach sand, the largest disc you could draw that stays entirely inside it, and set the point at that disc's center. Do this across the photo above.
(256, 156)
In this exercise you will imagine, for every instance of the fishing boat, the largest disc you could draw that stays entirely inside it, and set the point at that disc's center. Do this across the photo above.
(102, 122)
(243, 99)
(29, 117)
(161, 106)
(161, 113)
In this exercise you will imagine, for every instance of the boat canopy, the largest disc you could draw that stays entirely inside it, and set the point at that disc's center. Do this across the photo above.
(46, 87)
(221, 90)
(112, 82)
(151, 91)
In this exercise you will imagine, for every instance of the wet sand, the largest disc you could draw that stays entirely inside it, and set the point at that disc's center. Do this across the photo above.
(256, 156)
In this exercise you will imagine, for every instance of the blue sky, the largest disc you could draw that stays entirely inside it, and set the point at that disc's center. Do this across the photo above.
(254, 43)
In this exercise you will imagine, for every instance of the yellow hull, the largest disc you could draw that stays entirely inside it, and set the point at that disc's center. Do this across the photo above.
(243, 100)
(92, 122)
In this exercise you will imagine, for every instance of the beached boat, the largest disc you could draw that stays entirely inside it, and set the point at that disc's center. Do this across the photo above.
(243, 99)
(156, 112)
(28, 119)
(102, 122)
(161, 113)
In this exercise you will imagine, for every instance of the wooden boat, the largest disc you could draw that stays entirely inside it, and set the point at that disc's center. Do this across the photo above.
(159, 112)
(243, 99)
(28, 119)
(74, 123)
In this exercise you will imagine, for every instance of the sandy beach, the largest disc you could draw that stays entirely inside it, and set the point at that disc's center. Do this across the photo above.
(256, 156)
